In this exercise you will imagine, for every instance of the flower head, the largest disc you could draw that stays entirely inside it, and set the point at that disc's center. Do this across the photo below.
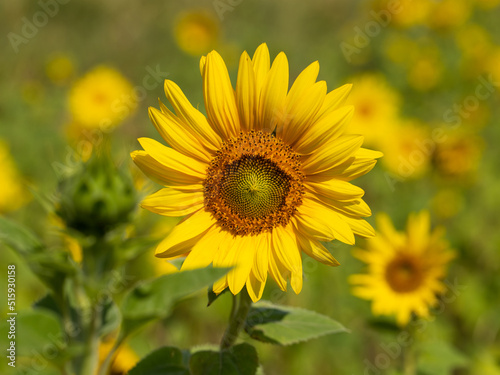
(12, 192)
(263, 177)
(404, 268)
(101, 98)
(196, 32)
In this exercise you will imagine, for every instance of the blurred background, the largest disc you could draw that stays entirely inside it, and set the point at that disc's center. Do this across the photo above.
(426, 78)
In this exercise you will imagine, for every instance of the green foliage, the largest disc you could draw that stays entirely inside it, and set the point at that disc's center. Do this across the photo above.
(18, 237)
(439, 357)
(288, 325)
(154, 299)
(238, 360)
(163, 361)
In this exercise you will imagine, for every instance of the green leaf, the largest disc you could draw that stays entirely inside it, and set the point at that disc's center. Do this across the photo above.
(18, 237)
(39, 333)
(164, 361)
(287, 325)
(111, 317)
(155, 298)
(239, 360)
(439, 357)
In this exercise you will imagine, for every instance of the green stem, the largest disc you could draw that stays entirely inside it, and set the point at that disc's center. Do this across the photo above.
(91, 355)
(237, 320)
(409, 355)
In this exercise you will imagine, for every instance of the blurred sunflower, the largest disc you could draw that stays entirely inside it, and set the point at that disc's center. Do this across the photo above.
(376, 106)
(263, 177)
(459, 155)
(196, 33)
(406, 150)
(12, 192)
(404, 269)
(447, 14)
(101, 98)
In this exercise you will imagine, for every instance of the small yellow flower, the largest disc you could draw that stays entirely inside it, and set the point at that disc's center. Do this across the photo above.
(404, 268)
(13, 195)
(102, 98)
(196, 33)
(262, 178)
(447, 14)
(59, 69)
(376, 106)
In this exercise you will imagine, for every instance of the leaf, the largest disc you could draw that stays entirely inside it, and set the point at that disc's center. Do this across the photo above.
(164, 361)
(18, 237)
(154, 298)
(439, 357)
(212, 296)
(239, 360)
(111, 317)
(39, 333)
(288, 325)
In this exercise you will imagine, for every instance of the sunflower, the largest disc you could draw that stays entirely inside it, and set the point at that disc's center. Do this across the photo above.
(13, 194)
(404, 269)
(196, 32)
(265, 175)
(101, 98)
(376, 104)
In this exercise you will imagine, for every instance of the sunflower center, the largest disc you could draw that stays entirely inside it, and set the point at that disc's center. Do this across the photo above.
(404, 274)
(253, 184)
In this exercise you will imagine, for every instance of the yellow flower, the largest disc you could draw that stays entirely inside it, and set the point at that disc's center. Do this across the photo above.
(406, 150)
(196, 33)
(263, 177)
(447, 14)
(376, 106)
(124, 358)
(459, 155)
(404, 268)
(12, 192)
(60, 69)
(425, 73)
(410, 12)
(102, 98)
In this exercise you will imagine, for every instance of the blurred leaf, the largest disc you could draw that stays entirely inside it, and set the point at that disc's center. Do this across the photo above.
(134, 247)
(212, 296)
(288, 325)
(47, 302)
(154, 299)
(39, 333)
(167, 360)
(18, 237)
(439, 357)
(239, 360)
(52, 268)
(111, 317)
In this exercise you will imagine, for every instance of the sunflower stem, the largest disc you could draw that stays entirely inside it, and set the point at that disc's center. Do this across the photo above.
(409, 355)
(236, 320)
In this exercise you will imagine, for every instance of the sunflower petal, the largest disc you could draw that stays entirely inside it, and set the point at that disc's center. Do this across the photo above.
(332, 154)
(190, 115)
(323, 222)
(203, 252)
(174, 160)
(273, 95)
(160, 173)
(185, 235)
(334, 100)
(172, 202)
(174, 132)
(219, 97)
(336, 189)
(246, 93)
(255, 287)
(328, 128)
(261, 62)
(316, 250)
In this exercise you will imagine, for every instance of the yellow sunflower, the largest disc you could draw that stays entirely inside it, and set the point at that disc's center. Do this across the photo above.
(196, 32)
(102, 98)
(265, 175)
(404, 269)
(13, 193)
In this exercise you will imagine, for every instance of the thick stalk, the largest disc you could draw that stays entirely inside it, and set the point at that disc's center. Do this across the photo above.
(236, 320)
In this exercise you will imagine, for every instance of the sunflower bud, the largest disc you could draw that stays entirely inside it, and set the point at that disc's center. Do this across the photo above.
(97, 197)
